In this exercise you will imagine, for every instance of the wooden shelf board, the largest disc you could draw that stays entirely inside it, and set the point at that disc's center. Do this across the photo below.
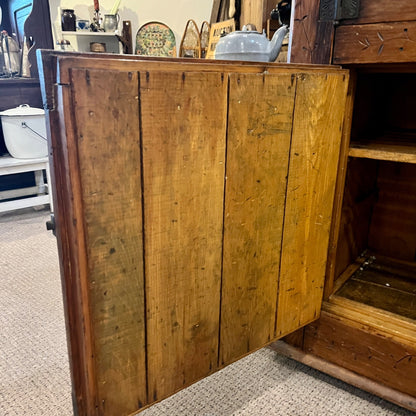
(383, 284)
(395, 152)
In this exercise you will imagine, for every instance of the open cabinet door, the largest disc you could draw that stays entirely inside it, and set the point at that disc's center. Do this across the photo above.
(193, 204)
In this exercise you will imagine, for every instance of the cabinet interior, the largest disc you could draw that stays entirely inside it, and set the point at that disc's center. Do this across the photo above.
(376, 251)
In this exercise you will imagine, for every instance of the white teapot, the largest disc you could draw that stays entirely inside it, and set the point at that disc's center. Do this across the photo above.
(250, 45)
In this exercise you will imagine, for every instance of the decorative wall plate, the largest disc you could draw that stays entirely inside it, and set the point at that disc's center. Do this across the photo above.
(155, 39)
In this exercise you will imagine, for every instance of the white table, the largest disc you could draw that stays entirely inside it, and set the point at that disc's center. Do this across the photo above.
(43, 195)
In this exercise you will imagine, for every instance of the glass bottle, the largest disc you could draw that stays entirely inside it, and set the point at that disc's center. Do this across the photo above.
(68, 20)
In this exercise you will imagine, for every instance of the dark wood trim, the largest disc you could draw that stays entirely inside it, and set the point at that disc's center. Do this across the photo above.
(378, 11)
(312, 39)
(70, 240)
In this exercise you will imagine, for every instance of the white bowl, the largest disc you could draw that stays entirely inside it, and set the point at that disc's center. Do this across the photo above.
(24, 131)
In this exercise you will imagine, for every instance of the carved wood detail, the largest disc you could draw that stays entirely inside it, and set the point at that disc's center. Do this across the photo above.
(375, 43)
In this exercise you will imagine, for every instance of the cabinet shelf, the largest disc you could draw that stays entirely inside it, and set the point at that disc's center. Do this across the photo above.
(382, 283)
(395, 151)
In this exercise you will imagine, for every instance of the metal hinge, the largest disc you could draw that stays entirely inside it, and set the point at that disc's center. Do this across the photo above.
(338, 9)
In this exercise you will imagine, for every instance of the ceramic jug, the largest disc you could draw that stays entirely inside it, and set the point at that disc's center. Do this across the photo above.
(111, 22)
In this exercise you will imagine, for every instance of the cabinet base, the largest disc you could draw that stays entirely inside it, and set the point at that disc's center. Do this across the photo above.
(336, 371)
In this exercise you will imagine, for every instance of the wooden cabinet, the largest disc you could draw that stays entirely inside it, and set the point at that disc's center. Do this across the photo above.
(367, 332)
(193, 208)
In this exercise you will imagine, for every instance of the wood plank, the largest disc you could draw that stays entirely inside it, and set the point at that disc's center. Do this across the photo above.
(383, 11)
(361, 288)
(395, 279)
(405, 268)
(63, 159)
(363, 351)
(109, 165)
(317, 129)
(70, 235)
(360, 194)
(393, 224)
(66, 61)
(339, 189)
(374, 320)
(259, 134)
(350, 377)
(252, 12)
(184, 128)
(384, 151)
(311, 37)
(375, 43)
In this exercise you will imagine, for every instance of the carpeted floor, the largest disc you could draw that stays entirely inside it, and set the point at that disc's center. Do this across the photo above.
(34, 374)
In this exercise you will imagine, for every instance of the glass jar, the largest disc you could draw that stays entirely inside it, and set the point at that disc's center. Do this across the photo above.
(68, 20)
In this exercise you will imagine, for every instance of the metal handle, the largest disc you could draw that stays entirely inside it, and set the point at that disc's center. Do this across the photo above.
(25, 126)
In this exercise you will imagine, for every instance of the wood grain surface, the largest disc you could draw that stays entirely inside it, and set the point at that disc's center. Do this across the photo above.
(383, 11)
(184, 129)
(107, 139)
(332, 261)
(393, 222)
(384, 151)
(314, 154)
(259, 134)
(364, 351)
(312, 37)
(383, 283)
(148, 173)
(375, 43)
(254, 12)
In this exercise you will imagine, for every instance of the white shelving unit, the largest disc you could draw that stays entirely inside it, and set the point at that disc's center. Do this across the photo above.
(41, 193)
(81, 40)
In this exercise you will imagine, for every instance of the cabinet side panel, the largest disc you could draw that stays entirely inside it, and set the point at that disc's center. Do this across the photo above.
(107, 138)
(259, 133)
(317, 127)
(184, 128)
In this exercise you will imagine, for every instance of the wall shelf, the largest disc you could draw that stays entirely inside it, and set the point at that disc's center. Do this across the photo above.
(81, 40)
(88, 33)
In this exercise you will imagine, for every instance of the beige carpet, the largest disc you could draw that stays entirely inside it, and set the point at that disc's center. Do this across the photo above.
(34, 375)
